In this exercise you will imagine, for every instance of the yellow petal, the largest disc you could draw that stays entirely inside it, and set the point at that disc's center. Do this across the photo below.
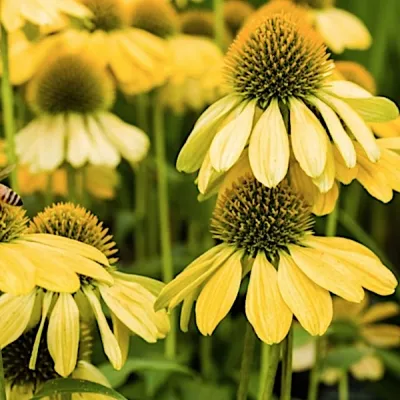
(369, 367)
(194, 150)
(328, 272)
(218, 294)
(348, 90)
(339, 135)
(187, 308)
(63, 334)
(311, 304)
(122, 334)
(110, 344)
(324, 203)
(389, 143)
(265, 309)
(382, 335)
(342, 173)
(345, 310)
(230, 141)
(380, 311)
(208, 177)
(325, 181)
(15, 313)
(375, 109)
(309, 139)
(152, 285)
(193, 276)
(269, 147)
(304, 357)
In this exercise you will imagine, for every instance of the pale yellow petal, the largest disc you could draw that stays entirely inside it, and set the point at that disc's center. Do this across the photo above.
(380, 311)
(343, 174)
(269, 147)
(325, 181)
(304, 356)
(382, 335)
(311, 304)
(122, 334)
(324, 203)
(345, 310)
(265, 309)
(219, 293)
(187, 308)
(369, 367)
(63, 334)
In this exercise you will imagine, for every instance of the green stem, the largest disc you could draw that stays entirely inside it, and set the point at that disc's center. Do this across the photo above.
(163, 207)
(287, 360)
(2, 380)
(332, 221)
(71, 178)
(352, 200)
(218, 7)
(206, 364)
(7, 98)
(314, 375)
(344, 386)
(269, 364)
(247, 360)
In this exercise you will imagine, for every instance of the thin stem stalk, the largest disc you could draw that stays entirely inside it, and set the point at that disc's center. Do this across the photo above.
(247, 360)
(344, 386)
(269, 364)
(332, 222)
(315, 372)
(71, 178)
(163, 207)
(206, 364)
(2, 380)
(287, 360)
(7, 98)
(219, 30)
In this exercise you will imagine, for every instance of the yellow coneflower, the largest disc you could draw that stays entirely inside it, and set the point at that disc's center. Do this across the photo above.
(136, 58)
(22, 381)
(356, 73)
(282, 98)
(130, 298)
(362, 327)
(268, 231)
(29, 259)
(15, 13)
(236, 12)
(71, 96)
(340, 29)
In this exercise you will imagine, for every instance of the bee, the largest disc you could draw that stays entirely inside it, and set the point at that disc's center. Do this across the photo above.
(7, 195)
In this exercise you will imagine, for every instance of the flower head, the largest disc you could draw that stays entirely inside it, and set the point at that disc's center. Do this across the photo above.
(268, 231)
(284, 106)
(71, 96)
(130, 298)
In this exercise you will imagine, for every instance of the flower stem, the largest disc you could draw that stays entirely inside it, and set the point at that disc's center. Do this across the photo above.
(269, 364)
(247, 360)
(71, 178)
(344, 386)
(332, 222)
(206, 357)
(163, 207)
(2, 380)
(218, 7)
(314, 375)
(287, 359)
(7, 98)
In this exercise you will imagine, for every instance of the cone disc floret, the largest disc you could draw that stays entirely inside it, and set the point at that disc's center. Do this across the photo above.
(71, 83)
(255, 218)
(108, 15)
(277, 57)
(13, 222)
(75, 222)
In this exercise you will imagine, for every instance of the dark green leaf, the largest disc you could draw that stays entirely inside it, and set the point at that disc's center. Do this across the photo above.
(391, 360)
(67, 385)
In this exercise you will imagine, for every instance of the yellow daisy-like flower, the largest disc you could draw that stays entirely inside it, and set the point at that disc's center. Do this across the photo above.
(282, 100)
(15, 13)
(340, 29)
(236, 12)
(29, 259)
(136, 58)
(268, 231)
(130, 298)
(360, 324)
(22, 381)
(71, 96)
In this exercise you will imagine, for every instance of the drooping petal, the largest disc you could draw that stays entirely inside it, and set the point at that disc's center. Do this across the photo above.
(382, 335)
(122, 334)
(343, 174)
(63, 334)
(308, 137)
(229, 143)
(208, 177)
(369, 367)
(265, 309)
(198, 143)
(269, 147)
(380, 311)
(219, 293)
(328, 272)
(311, 304)
(79, 143)
(187, 308)
(325, 181)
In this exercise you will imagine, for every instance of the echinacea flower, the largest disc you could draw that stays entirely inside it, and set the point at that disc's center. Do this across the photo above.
(22, 381)
(268, 231)
(129, 298)
(29, 259)
(281, 101)
(14, 14)
(358, 325)
(71, 96)
(340, 29)
(236, 13)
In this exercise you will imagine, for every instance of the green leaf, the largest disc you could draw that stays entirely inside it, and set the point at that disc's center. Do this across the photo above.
(391, 360)
(344, 357)
(67, 385)
(117, 378)
(197, 390)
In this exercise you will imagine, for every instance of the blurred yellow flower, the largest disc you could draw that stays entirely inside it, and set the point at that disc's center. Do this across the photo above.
(71, 96)
(15, 13)
(280, 90)
(268, 231)
(197, 74)
(236, 13)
